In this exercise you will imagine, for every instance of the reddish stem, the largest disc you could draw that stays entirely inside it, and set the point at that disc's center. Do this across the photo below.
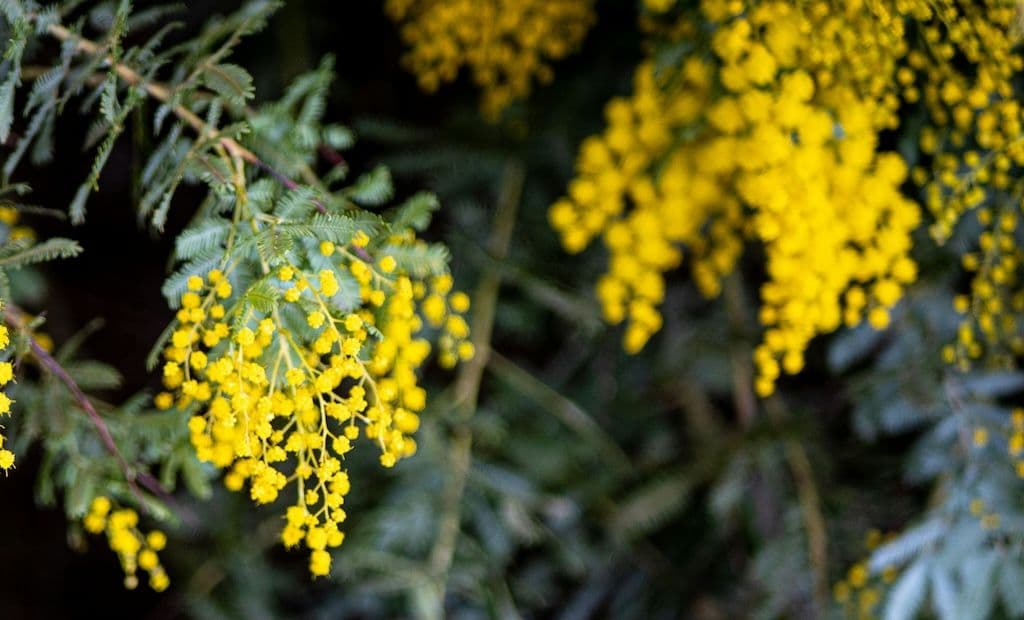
(15, 317)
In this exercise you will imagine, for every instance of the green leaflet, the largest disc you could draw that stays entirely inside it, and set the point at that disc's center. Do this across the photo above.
(416, 212)
(230, 81)
(373, 189)
(422, 259)
(201, 238)
(49, 249)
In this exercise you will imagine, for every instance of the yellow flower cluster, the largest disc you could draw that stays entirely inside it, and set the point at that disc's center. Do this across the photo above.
(1014, 436)
(989, 324)
(280, 396)
(673, 204)
(506, 44)
(9, 217)
(134, 549)
(773, 139)
(964, 75)
(444, 310)
(6, 376)
(987, 519)
(11, 231)
(975, 132)
(859, 594)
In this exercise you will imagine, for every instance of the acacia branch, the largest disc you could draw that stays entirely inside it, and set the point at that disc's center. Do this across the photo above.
(15, 317)
(467, 384)
(814, 521)
(809, 500)
(164, 95)
(157, 91)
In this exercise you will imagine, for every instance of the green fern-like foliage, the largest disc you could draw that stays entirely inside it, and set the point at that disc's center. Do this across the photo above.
(555, 476)
(112, 64)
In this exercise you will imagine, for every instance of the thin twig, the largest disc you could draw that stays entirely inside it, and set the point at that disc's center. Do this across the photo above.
(814, 521)
(810, 504)
(796, 455)
(467, 384)
(565, 410)
(332, 156)
(15, 317)
(287, 182)
(164, 95)
(742, 367)
(157, 91)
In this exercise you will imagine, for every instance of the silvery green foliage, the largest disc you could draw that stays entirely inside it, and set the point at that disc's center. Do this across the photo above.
(115, 65)
(952, 565)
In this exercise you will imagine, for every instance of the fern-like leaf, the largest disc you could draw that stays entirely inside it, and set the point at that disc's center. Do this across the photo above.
(416, 212)
(50, 249)
(201, 238)
(420, 260)
(373, 188)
